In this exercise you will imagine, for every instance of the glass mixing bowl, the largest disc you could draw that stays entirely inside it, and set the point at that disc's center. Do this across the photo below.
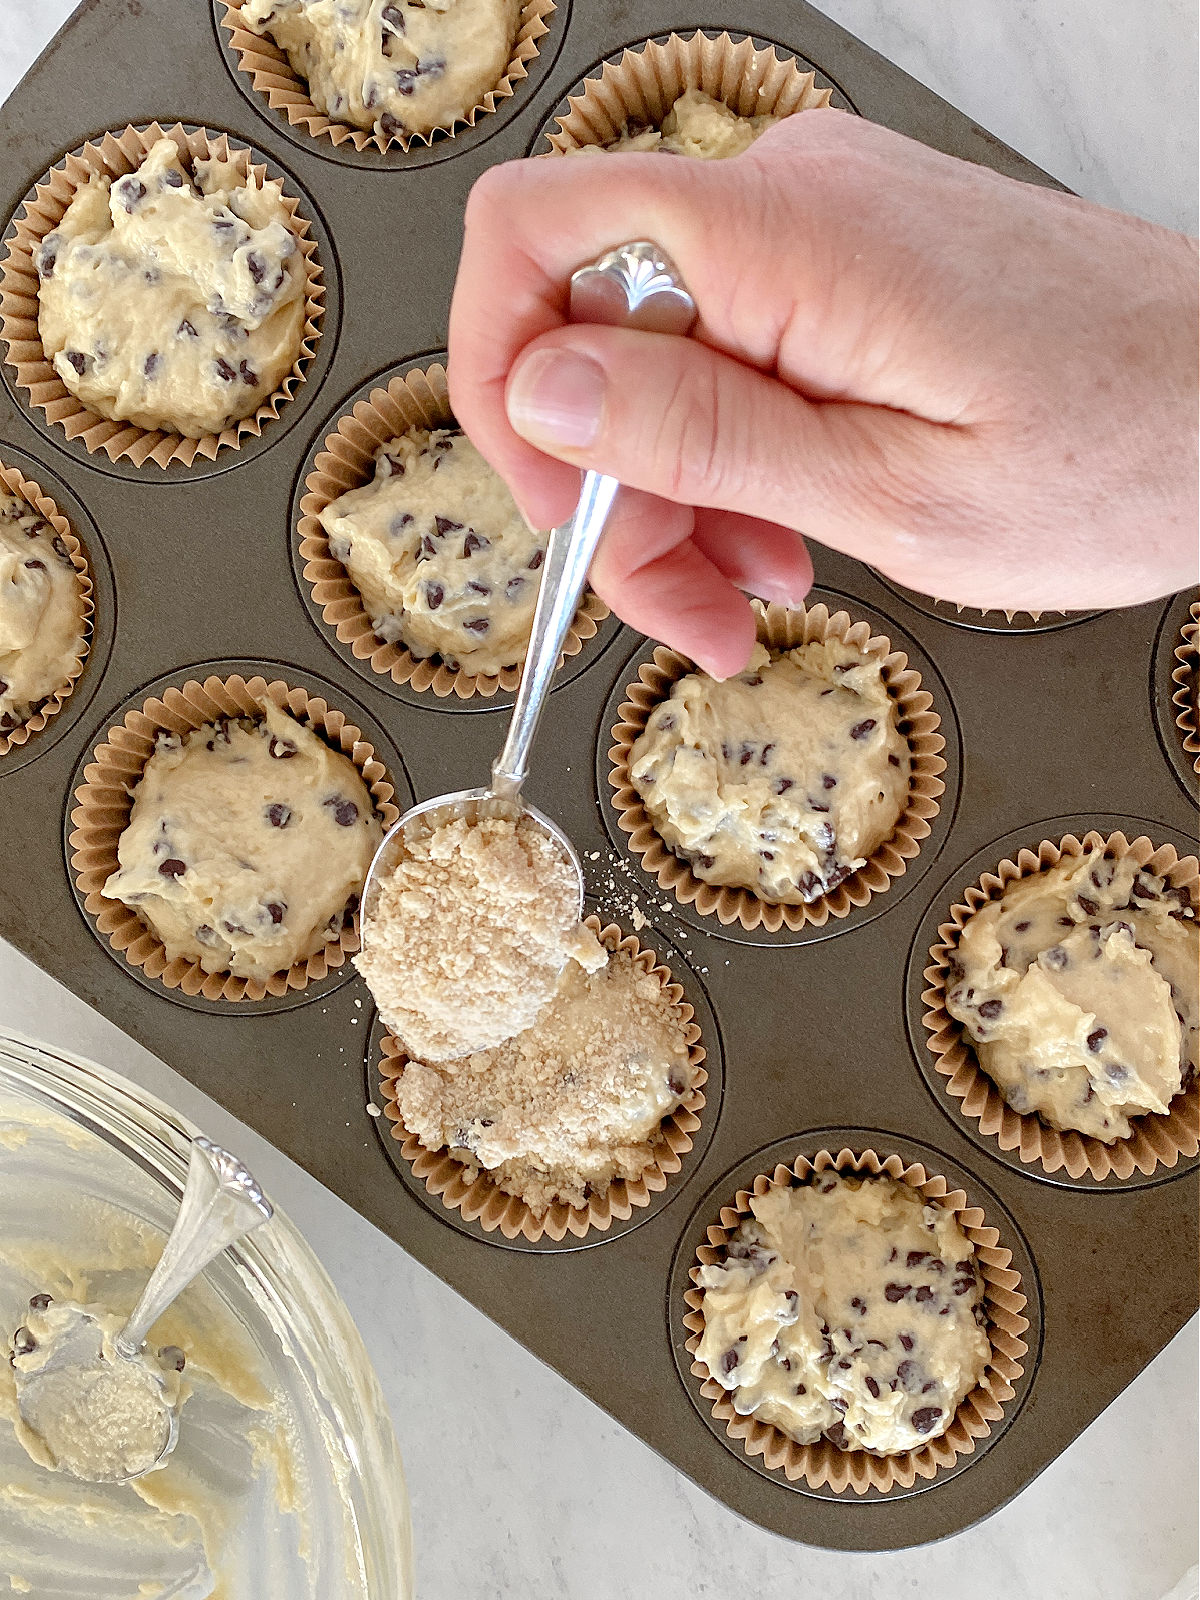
(287, 1483)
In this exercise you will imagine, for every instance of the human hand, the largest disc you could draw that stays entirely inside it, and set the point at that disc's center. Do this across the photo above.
(982, 388)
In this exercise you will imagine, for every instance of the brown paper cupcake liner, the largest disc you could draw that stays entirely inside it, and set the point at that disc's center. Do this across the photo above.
(1158, 1138)
(472, 1191)
(1186, 678)
(782, 629)
(114, 155)
(272, 75)
(823, 1464)
(639, 89)
(14, 482)
(419, 399)
(104, 803)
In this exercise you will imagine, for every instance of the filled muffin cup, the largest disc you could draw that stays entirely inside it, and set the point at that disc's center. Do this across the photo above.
(272, 75)
(1158, 1139)
(472, 1192)
(1186, 678)
(417, 399)
(16, 483)
(639, 90)
(779, 629)
(823, 1465)
(104, 803)
(114, 155)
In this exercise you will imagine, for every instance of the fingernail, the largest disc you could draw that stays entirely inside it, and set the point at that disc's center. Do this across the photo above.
(780, 594)
(556, 397)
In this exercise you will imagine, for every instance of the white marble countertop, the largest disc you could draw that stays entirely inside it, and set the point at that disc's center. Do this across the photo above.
(549, 1497)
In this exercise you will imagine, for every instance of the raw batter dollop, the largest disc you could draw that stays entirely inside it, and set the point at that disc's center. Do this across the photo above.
(99, 1421)
(444, 561)
(40, 622)
(696, 125)
(783, 780)
(847, 1307)
(247, 846)
(172, 299)
(572, 1103)
(399, 68)
(1078, 989)
(470, 934)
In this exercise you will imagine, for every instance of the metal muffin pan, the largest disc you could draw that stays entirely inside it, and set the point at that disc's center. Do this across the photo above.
(811, 1035)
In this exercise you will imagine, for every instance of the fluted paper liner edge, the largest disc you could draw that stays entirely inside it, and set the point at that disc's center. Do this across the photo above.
(1158, 1138)
(781, 628)
(640, 88)
(103, 806)
(472, 1192)
(27, 489)
(1186, 678)
(114, 155)
(418, 399)
(824, 1464)
(272, 75)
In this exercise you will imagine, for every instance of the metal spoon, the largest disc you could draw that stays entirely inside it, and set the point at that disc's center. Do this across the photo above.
(221, 1203)
(634, 286)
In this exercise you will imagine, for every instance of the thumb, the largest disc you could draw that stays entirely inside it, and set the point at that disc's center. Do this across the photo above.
(690, 424)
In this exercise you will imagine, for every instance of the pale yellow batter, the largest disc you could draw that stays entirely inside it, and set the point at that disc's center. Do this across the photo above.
(782, 780)
(469, 934)
(849, 1308)
(696, 125)
(247, 846)
(99, 1420)
(444, 561)
(40, 622)
(402, 67)
(173, 298)
(1078, 990)
(559, 1111)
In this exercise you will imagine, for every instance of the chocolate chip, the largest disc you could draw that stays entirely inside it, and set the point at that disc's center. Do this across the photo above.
(24, 1343)
(40, 1302)
(389, 467)
(990, 1009)
(224, 371)
(389, 127)
(860, 730)
(843, 1365)
(46, 255)
(906, 1341)
(248, 374)
(256, 266)
(536, 559)
(36, 565)
(172, 867)
(908, 1371)
(186, 328)
(444, 525)
(275, 910)
(926, 1418)
(151, 364)
(1088, 907)
(895, 1292)
(234, 927)
(478, 625)
(279, 815)
(924, 1292)
(1096, 1038)
(173, 178)
(872, 1388)
(345, 812)
(915, 1257)
(78, 360)
(475, 541)
(1055, 958)
(782, 785)
(514, 586)
(729, 1360)
(207, 935)
(1021, 927)
(173, 1357)
(860, 1305)
(130, 191)
(434, 595)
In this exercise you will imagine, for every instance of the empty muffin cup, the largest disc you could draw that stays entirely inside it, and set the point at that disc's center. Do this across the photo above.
(1158, 1139)
(66, 544)
(115, 155)
(823, 1465)
(781, 629)
(639, 90)
(273, 76)
(471, 1191)
(1186, 678)
(104, 803)
(416, 399)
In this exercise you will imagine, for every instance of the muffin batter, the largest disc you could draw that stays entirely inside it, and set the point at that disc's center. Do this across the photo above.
(399, 68)
(559, 1111)
(40, 623)
(172, 300)
(1078, 989)
(849, 1308)
(696, 125)
(247, 846)
(783, 780)
(469, 935)
(444, 561)
(99, 1421)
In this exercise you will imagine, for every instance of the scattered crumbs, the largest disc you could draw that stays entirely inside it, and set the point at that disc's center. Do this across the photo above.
(373, 1110)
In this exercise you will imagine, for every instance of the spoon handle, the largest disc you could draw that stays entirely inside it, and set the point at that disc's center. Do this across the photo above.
(221, 1204)
(634, 286)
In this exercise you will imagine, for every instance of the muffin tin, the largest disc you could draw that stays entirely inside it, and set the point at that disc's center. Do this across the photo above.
(804, 1036)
